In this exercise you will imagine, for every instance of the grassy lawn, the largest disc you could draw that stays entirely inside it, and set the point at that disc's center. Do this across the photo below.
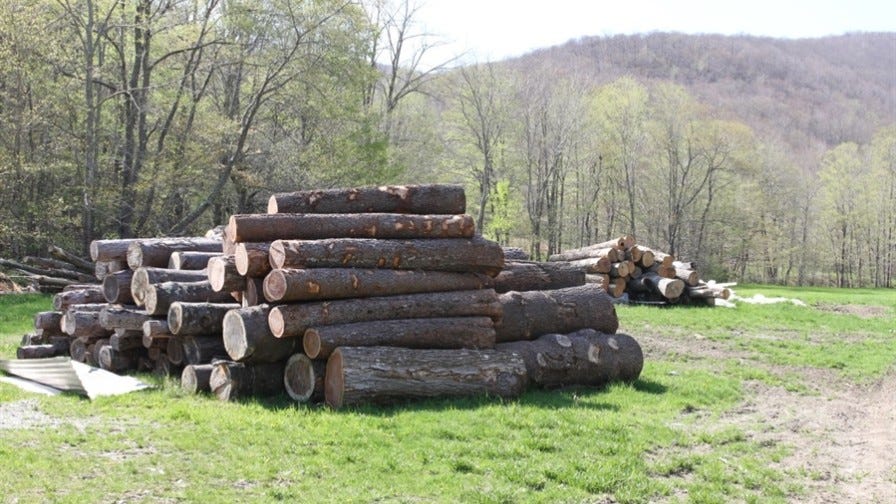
(659, 439)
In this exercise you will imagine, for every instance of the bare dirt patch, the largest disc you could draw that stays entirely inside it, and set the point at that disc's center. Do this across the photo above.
(861, 311)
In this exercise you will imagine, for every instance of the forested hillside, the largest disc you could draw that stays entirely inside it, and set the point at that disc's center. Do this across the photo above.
(761, 159)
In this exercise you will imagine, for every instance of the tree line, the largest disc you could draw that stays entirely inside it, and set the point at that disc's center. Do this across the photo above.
(126, 118)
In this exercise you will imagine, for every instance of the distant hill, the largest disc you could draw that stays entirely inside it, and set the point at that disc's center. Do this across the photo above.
(808, 94)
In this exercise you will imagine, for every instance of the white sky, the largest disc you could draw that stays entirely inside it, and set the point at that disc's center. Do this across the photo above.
(495, 29)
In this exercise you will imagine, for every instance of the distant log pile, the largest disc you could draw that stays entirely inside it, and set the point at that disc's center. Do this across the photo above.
(345, 296)
(640, 274)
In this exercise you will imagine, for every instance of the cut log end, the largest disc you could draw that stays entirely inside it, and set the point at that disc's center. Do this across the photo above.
(335, 382)
(275, 285)
(277, 254)
(276, 322)
(311, 342)
(235, 339)
(299, 377)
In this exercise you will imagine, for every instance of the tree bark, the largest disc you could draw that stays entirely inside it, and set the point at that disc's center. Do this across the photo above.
(197, 318)
(120, 317)
(270, 227)
(48, 320)
(126, 340)
(102, 269)
(110, 250)
(304, 378)
(117, 287)
(90, 295)
(190, 260)
(248, 338)
(407, 199)
(252, 259)
(223, 276)
(234, 380)
(157, 253)
(528, 315)
(254, 293)
(144, 278)
(158, 297)
(174, 350)
(589, 252)
(203, 349)
(84, 324)
(380, 375)
(651, 283)
(445, 333)
(475, 255)
(195, 378)
(525, 276)
(593, 265)
(116, 361)
(340, 283)
(44, 351)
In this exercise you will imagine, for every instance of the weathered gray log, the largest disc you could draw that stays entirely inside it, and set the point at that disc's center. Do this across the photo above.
(528, 315)
(117, 287)
(515, 254)
(64, 299)
(48, 320)
(445, 333)
(303, 378)
(197, 318)
(123, 317)
(203, 349)
(195, 378)
(647, 257)
(223, 276)
(77, 349)
(125, 340)
(254, 293)
(158, 297)
(593, 265)
(252, 259)
(174, 350)
(43, 351)
(613, 254)
(163, 368)
(525, 276)
(155, 327)
(116, 361)
(84, 324)
(76, 261)
(380, 375)
(95, 348)
(341, 283)
(110, 250)
(102, 269)
(649, 282)
(145, 277)
(584, 357)
(234, 380)
(412, 199)
(292, 320)
(157, 252)
(190, 260)
(248, 338)
(270, 227)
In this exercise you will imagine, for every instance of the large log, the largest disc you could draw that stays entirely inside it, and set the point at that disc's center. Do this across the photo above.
(528, 315)
(64, 299)
(156, 253)
(525, 276)
(446, 333)
(116, 361)
(143, 278)
(234, 380)
(411, 199)
(248, 338)
(84, 324)
(117, 287)
(203, 349)
(198, 318)
(158, 297)
(125, 340)
(379, 375)
(292, 320)
(110, 250)
(48, 320)
(102, 269)
(252, 259)
(341, 283)
(584, 357)
(303, 378)
(477, 255)
(223, 276)
(123, 317)
(270, 227)
(174, 350)
(195, 378)
(190, 259)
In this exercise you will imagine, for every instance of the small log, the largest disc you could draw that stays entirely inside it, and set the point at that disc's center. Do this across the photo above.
(34, 338)
(528, 315)
(77, 349)
(174, 350)
(660, 257)
(126, 340)
(688, 276)
(381, 375)
(95, 350)
(102, 269)
(475, 255)
(254, 293)
(601, 279)
(156, 327)
(303, 378)
(84, 324)
(203, 349)
(48, 320)
(158, 297)
(145, 277)
(116, 361)
(409, 199)
(619, 269)
(110, 250)
(44, 351)
(647, 257)
(292, 320)
(190, 260)
(195, 378)
(48, 274)
(270, 227)
(341, 283)
(157, 253)
(61, 254)
(589, 252)
(248, 338)
(515, 254)
(252, 259)
(117, 287)
(223, 276)
(525, 276)
(121, 317)
(234, 380)
(163, 368)
(592, 265)
(197, 318)
(648, 283)
(445, 333)
(65, 299)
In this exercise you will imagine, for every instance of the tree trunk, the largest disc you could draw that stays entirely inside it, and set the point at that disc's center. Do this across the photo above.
(475, 255)
(67, 298)
(223, 276)
(584, 357)
(110, 250)
(340, 283)
(445, 333)
(195, 378)
(248, 338)
(528, 315)
(198, 318)
(190, 260)
(525, 276)
(203, 349)
(270, 227)
(380, 375)
(157, 253)
(304, 378)
(252, 259)
(117, 287)
(102, 269)
(158, 297)
(292, 320)
(234, 380)
(407, 199)
(119, 317)
(144, 278)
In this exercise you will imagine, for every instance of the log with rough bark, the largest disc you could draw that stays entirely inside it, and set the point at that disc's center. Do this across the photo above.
(125, 340)
(234, 380)
(77, 349)
(190, 259)
(158, 297)
(341, 283)
(584, 357)
(528, 315)
(48, 320)
(80, 263)
(651, 283)
(64, 299)
(144, 278)
(174, 350)
(405, 199)
(515, 254)
(110, 250)
(117, 287)
(155, 327)
(123, 317)
(593, 265)
(84, 324)
(198, 318)
(223, 276)
(156, 253)
(248, 338)
(195, 378)
(445, 333)
(102, 269)
(380, 375)
(252, 259)
(43, 351)
(690, 277)
(589, 252)
(303, 378)
(203, 349)
(254, 293)
(292, 320)
(116, 361)
(476, 255)
(525, 276)
(270, 227)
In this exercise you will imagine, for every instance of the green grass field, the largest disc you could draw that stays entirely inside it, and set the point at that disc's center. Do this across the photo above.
(661, 438)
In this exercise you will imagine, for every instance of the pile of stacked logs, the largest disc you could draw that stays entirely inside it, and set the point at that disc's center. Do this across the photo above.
(641, 274)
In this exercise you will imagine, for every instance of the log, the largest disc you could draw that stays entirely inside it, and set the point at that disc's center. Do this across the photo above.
(270, 227)
(174, 350)
(617, 287)
(77, 349)
(117, 287)
(303, 378)
(593, 265)
(43, 351)
(406, 199)
(102, 269)
(525, 276)
(90, 356)
(663, 271)
(95, 349)
(382, 375)
(110, 250)
(48, 320)
(633, 254)
(156, 253)
(84, 324)
(445, 333)
(528, 315)
(515, 254)
(32, 339)
(156, 327)
(651, 283)
(195, 378)
(235, 380)
(223, 276)
(65, 299)
(476, 255)
(687, 275)
(252, 259)
(163, 368)
(71, 276)
(116, 361)
(660, 257)
(123, 317)
(647, 257)
(158, 297)
(292, 320)
(585, 357)
(155, 353)
(341, 283)
(126, 340)
(248, 338)
(601, 279)
(197, 318)
(145, 277)
(591, 251)
(203, 349)
(61, 254)
(190, 260)
(254, 293)
(619, 269)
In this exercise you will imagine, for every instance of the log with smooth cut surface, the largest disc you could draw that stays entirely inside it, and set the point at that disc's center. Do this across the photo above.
(247, 337)
(252, 259)
(158, 297)
(592, 265)
(197, 318)
(528, 315)
(123, 317)
(411, 199)
(233, 380)
(125, 340)
(524, 276)
(116, 361)
(157, 252)
(117, 287)
(304, 378)
(223, 276)
(195, 378)
(84, 324)
(144, 278)
(48, 320)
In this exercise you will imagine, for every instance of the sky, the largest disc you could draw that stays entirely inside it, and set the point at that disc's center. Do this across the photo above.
(490, 30)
